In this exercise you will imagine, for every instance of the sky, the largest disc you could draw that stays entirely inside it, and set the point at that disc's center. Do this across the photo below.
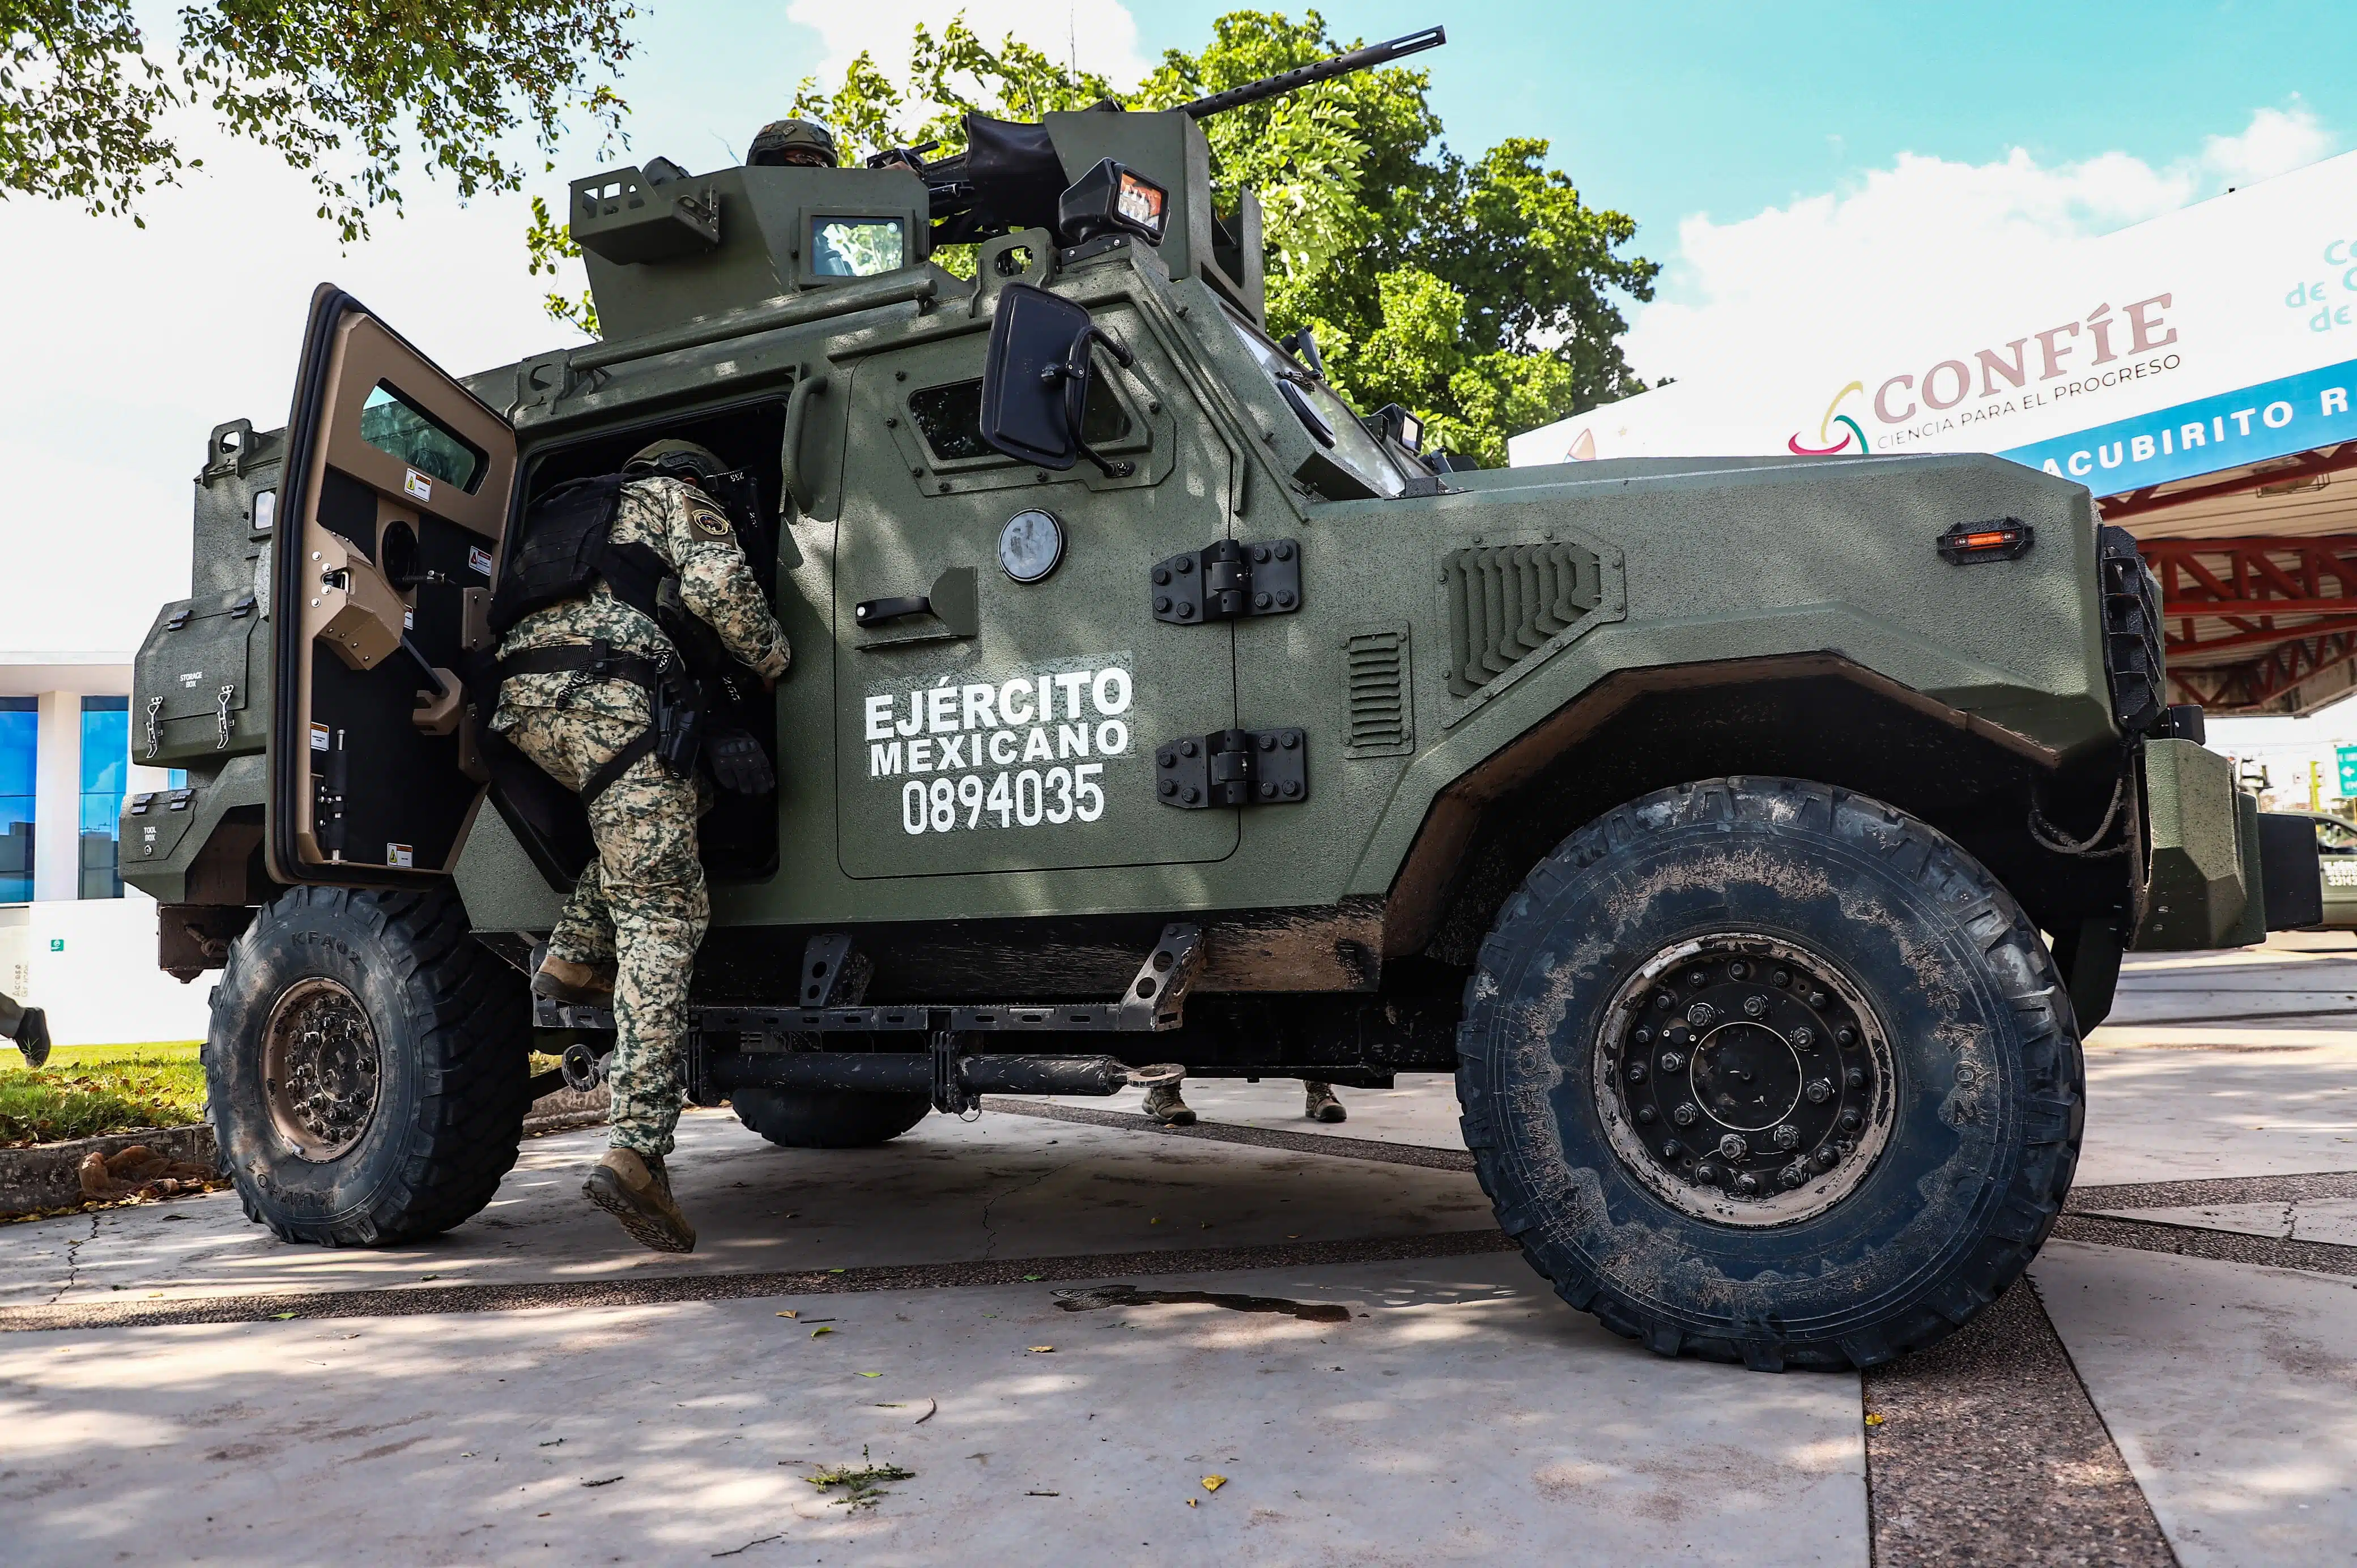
(1821, 157)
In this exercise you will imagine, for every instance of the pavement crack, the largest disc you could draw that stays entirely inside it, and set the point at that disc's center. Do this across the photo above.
(73, 1261)
(990, 1236)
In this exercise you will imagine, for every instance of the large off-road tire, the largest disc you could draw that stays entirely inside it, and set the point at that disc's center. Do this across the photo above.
(1769, 1072)
(368, 1066)
(827, 1119)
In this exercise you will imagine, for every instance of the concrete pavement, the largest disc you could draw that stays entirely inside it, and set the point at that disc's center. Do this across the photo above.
(412, 1413)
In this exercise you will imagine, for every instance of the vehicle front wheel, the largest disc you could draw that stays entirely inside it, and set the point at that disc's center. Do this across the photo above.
(368, 1066)
(1772, 1072)
(827, 1119)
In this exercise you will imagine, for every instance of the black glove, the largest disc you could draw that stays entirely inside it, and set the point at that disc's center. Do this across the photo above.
(738, 763)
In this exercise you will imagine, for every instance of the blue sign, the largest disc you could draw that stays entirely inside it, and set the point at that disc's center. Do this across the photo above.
(2273, 419)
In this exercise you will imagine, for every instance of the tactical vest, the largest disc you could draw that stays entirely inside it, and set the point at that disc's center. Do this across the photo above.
(568, 548)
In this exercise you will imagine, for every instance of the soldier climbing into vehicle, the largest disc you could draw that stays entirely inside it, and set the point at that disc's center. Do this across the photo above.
(613, 575)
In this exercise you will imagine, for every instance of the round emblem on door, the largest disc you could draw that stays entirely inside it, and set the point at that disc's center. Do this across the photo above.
(1030, 545)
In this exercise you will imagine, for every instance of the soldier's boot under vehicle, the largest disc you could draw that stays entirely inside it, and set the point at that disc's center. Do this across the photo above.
(635, 1190)
(574, 984)
(1162, 1103)
(1768, 1071)
(1320, 1105)
(29, 1027)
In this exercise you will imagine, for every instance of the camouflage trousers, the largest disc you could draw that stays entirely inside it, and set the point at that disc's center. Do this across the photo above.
(641, 906)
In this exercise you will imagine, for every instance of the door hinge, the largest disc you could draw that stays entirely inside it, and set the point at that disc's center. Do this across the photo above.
(1234, 767)
(1223, 581)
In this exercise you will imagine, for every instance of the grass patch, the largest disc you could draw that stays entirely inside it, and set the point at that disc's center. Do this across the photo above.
(87, 1091)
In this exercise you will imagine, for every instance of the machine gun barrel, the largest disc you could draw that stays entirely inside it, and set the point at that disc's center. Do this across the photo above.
(1303, 76)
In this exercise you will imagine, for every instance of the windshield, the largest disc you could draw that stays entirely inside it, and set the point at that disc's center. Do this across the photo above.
(1329, 421)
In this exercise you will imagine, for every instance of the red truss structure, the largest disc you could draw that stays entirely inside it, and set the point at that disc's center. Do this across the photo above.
(2249, 619)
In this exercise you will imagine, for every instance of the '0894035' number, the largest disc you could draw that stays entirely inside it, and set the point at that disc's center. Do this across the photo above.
(1022, 800)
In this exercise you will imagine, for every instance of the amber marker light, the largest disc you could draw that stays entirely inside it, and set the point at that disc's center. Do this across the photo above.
(2004, 539)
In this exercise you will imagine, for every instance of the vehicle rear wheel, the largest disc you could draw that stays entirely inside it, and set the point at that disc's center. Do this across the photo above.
(368, 1066)
(1770, 1072)
(827, 1119)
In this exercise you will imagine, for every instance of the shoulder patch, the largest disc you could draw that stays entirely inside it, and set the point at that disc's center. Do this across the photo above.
(708, 521)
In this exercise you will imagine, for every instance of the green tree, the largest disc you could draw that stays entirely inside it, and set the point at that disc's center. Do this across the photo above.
(341, 88)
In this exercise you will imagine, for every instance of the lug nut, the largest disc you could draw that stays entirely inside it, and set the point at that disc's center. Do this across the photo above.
(1827, 1159)
(1817, 999)
(1755, 1006)
(1781, 977)
(1644, 1037)
(1788, 1136)
(1855, 1077)
(1695, 980)
(1845, 1036)
(1793, 1175)
(1851, 1121)
(1732, 1148)
(1738, 970)
(1747, 1185)
(1705, 1172)
(1804, 1036)
(1672, 1061)
(1663, 1000)
(1684, 1115)
(1700, 1014)
(1645, 1115)
(1636, 1072)
(1819, 1092)
(1672, 1148)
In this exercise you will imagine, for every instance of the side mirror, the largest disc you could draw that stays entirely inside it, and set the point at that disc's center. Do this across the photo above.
(1035, 381)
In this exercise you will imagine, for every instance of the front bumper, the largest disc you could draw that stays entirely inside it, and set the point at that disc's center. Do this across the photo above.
(2216, 873)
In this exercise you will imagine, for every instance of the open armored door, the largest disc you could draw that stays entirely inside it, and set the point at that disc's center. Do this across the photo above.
(398, 483)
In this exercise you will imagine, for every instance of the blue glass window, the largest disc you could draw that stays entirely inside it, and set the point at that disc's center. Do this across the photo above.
(105, 768)
(20, 729)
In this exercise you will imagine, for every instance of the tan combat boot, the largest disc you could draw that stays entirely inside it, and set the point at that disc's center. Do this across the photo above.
(1162, 1103)
(1319, 1105)
(575, 984)
(633, 1189)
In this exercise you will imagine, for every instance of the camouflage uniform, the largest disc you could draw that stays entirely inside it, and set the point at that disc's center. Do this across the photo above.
(642, 904)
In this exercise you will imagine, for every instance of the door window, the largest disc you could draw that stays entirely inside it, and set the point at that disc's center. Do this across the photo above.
(950, 419)
(398, 427)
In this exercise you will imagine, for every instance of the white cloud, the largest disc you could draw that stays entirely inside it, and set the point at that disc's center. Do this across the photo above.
(2277, 141)
(1924, 229)
(1099, 35)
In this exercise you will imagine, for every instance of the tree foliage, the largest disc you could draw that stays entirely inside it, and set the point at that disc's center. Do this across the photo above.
(1482, 293)
(341, 88)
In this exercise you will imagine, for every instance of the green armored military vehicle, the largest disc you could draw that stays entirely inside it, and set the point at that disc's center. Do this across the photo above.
(1752, 838)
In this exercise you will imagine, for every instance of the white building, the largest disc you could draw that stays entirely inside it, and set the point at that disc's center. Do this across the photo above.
(73, 939)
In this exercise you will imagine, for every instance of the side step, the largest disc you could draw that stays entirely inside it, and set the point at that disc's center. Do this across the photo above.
(1154, 1003)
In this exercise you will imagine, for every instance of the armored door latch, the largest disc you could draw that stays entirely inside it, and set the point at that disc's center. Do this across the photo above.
(1234, 767)
(1226, 580)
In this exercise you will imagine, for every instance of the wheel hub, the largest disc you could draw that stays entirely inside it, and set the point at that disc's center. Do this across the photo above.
(321, 1068)
(1742, 1078)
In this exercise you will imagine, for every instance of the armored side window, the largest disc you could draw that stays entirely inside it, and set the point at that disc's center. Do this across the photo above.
(857, 247)
(391, 422)
(950, 419)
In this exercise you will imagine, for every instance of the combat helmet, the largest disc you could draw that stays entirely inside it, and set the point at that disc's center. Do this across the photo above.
(675, 459)
(782, 142)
